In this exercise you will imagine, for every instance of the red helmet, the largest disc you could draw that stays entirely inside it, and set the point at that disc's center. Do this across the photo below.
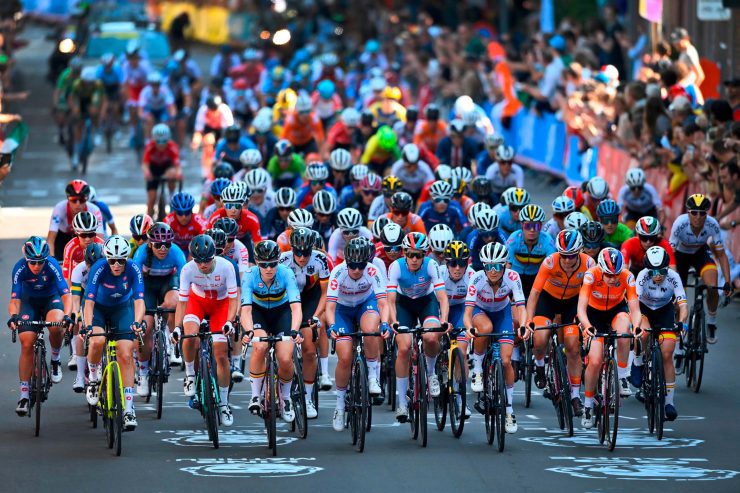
(240, 84)
(576, 195)
(77, 188)
(371, 182)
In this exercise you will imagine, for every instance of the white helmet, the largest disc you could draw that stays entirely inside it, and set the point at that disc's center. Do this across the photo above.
(410, 153)
(154, 78)
(494, 253)
(377, 228)
(257, 179)
(358, 172)
(635, 177)
(440, 190)
(324, 202)
(563, 204)
(598, 188)
(84, 222)
(250, 158)
(574, 220)
(351, 117)
(161, 133)
(340, 159)
(285, 197)
(440, 236)
(504, 153)
(262, 123)
(464, 104)
(116, 247)
(475, 210)
(392, 235)
(316, 170)
(303, 103)
(89, 74)
(237, 192)
(300, 218)
(486, 220)
(492, 141)
(443, 172)
(349, 218)
(457, 126)
(463, 174)
(93, 195)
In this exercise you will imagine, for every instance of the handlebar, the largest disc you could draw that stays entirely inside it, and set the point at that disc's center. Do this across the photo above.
(271, 339)
(551, 327)
(475, 333)
(402, 329)
(38, 325)
(159, 310)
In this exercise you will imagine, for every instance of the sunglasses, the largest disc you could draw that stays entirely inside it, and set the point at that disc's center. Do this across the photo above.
(161, 245)
(591, 246)
(416, 255)
(441, 200)
(302, 253)
(608, 220)
(183, 213)
(568, 256)
(374, 193)
(86, 235)
(457, 263)
(658, 272)
(635, 189)
(505, 163)
(258, 190)
(267, 265)
(350, 232)
(647, 239)
(316, 183)
(36, 262)
(139, 237)
(698, 213)
(356, 265)
(116, 261)
(392, 249)
(396, 212)
(232, 206)
(531, 226)
(78, 201)
(610, 276)
(285, 209)
(514, 208)
(496, 267)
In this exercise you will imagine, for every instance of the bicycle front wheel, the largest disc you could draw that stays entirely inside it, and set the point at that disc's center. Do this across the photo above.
(700, 350)
(489, 399)
(528, 371)
(564, 391)
(611, 404)
(116, 403)
(298, 396)
(691, 349)
(411, 402)
(659, 392)
(390, 388)
(441, 369)
(272, 405)
(423, 398)
(208, 400)
(39, 384)
(161, 366)
(457, 393)
(360, 403)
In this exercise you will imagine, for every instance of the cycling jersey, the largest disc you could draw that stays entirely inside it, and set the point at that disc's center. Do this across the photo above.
(290, 176)
(457, 290)
(249, 225)
(482, 295)
(378, 208)
(74, 254)
(150, 265)
(552, 279)
(620, 235)
(634, 255)
(150, 101)
(506, 223)
(603, 297)
(499, 182)
(646, 200)
(78, 279)
(183, 234)
(552, 228)
(335, 248)
(107, 215)
(374, 154)
(218, 284)
(326, 108)
(108, 290)
(414, 224)
(684, 240)
(350, 292)
(262, 210)
(415, 284)
(413, 180)
(429, 133)
(217, 119)
(452, 216)
(161, 156)
(48, 282)
(301, 133)
(64, 84)
(655, 296)
(524, 259)
(284, 288)
(87, 92)
(61, 217)
(315, 271)
(239, 254)
(135, 80)
(112, 76)
(397, 113)
(464, 202)
(229, 155)
(476, 243)
(305, 194)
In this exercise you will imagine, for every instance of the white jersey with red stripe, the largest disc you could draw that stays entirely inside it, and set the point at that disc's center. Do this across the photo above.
(350, 292)
(457, 290)
(218, 284)
(239, 254)
(482, 294)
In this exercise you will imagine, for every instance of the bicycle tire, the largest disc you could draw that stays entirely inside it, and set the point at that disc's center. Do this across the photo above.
(361, 403)
(105, 409)
(441, 369)
(93, 411)
(411, 401)
(501, 404)
(40, 383)
(700, 351)
(553, 383)
(458, 387)
(391, 376)
(208, 401)
(423, 399)
(271, 415)
(659, 392)
(298, 396)
(690, 350)
(612, 409)
(315, 389)
(648, 386)
(488, 399)
(161, 370)
(564, 394)
(117, 408)
(599, 403)
(528, 372)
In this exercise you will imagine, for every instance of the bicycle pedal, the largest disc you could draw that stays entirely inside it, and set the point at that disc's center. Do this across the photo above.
(478, 407)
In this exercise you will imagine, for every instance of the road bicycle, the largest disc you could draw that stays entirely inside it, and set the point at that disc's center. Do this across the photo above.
(525, 368)
(653, 381)
(694, 341)
(450, 370)
(388, 370)
(298, 394)
(558, 382)
(159, 362)
(492, 401)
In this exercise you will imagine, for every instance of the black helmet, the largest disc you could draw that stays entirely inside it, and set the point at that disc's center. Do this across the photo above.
(412, 114)
(481, 187)
(229, 226)
(219, 238)
(592, 232)
(302, 239)
(457, 250)
(223, 170)
(266, 251)
(358, 250)
(232, 133)
(213, 102)
(318, 240)
(431, 112)
(366, 118)
(401, 201)
(93, 253)
(202, 248)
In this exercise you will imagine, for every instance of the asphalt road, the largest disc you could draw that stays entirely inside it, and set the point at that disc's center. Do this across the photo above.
(174, 455)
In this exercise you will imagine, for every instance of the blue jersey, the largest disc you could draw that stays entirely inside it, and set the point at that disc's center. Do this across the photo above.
(108, 290)
(415, 284)
(111, 77)
(48, 282)
(226, 153)
(305, 190)
(452, 217)
(284, 288)
(346, 196)
(506, 222)
(475, 243)
(525, 260)
(154, 267)
(483, 161)
(106, 213)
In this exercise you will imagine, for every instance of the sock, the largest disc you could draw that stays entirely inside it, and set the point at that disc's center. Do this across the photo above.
(309, 388)
(94, 371)
(622, 371)
(711, 318)
(340, 392)
(478, 362)
(377, 371)
(285, 389)
(23, 387)
(55, 353)
(515, 354)
(402, 386)
(81, 362)
(143, 368)
(74, 351)
(372, 368)
(190, 368)
(235, 360)
(540, 363)
(575, 387)
(128, 397)
(256, 381)
(324, 365)
(223, 393)
(431, 361)
(509, 399)
(669, 388)
(637, 361)
(589, 399)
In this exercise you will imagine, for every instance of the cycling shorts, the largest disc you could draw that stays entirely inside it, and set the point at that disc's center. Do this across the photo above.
(118, 317)
(411, 310)
(603, 320)
(215, 131)
(37, 309)
(310, 299)
(630, 215)
(306, 148)
(455, 317)
(527, 283)
(157, 174)
(60, 242)
(548, 306)
(347, 318)
(158, 115)
(501, 321)
(663, 317)
(701, 261)
(157, 287)
(198, 308)
(275, 321)
(112, 92)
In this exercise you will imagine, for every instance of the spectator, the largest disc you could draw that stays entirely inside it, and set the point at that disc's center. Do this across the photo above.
(687, 54)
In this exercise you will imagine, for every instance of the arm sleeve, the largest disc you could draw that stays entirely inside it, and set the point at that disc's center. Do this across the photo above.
(640, 280)
(247, 288)
(200, 119)
(544, 273)
(332, 291)
(67, 262)
(472, 289)
(678, 290)
(631, 291)
(231, 284)
(379, 285)
(433, 271)
(184, 283)
(17, 285)
(91, 290)
(291, 286)
(59, 280)
(394, 274)
(137, 288)
(334, 244)
(517, 292)
(622, 197)
(370, 149)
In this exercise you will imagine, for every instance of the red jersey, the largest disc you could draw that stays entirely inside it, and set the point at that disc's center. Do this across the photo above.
(248, 223)
(380, 253)
(162, 157)
(634, 255)
(339, 135)
(74, 255)
(183, 234)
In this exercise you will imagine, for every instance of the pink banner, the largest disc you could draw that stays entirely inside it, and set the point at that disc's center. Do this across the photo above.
(651, 10)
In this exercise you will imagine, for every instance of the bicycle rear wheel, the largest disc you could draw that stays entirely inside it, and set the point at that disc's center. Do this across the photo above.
(440, 402)
(391, 375)
(272, 406)
(659, 392)
(611, 408)
(457, 394)
(106, 407)
(208, 400)
(500, 404)
(700, 349)
(360, 403)
(116, 406)
(528, 371)
(39, 385)
(423, 398)
(161, 366)
(298, 396)
(315, 389)
(489, 399)
(690, 354)
(411, 402)
(648, 386)
(564, 391)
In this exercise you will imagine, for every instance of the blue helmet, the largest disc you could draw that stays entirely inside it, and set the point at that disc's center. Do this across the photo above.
(182, 202)
(202, 248)
(93, 253)
(218, 185)
(36, 248)
(607, 208)
(326, 89)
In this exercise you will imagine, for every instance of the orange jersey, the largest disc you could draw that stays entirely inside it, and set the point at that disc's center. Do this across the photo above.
(552, 279)
(414, 224)
(301, 133)
(283, 240)
(428, 134)
(601, 296)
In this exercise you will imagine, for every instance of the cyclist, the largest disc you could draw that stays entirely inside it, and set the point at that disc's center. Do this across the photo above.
(692, 235)
(211, 120)
(311, 269)
(504, 173)
(596, 190)
(351, 193)
(459, 181)
(457, 149)
(648, 234)
(135, 73)
(85, 99)
(156, 103)
(340, 161)
(208, 288)
(108, 219)
(488, 309)
(161, 161)
(593, 236)
(486, 230)
(250, 159)
(529, 246)
(607, 213)
(316, 179)
(139, 225)
(178, 82)
(659, 290)
(487, 156)
(303, 128)
(262, 136)
(114, 298)
(356, 298)
(576, 195)
(286, 167)
(38, 293)
(349, 225)
(389, 110)
(440, 209)
(160, 262)
(561, 207)
(230, 148)
(233, 249)
(271, 304)
(381, 150)
(276, 221)
(401, 204)
(431, 129)
(297, 218)
(324, 207)
(370, 188)
(514, 201)
(217, 187)
(343, 133)
(389, 248)
(185, 224)
(327, 102)
(638, 199)
(607, 302)
(85, 225)
(92, 253)
(221, 170)
(234, 198)
(60, 226)
(262, 200)
(412, 171)
(62, 89)
(382, 204)
(416, 291)
(555, 292)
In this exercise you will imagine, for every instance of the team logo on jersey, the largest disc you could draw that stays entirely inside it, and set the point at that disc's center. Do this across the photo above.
(372, 271)
(422, 279)
(471, 290)
(334, 284)
(310, 270)
(513, 275)
(260, 285)
(218, 278)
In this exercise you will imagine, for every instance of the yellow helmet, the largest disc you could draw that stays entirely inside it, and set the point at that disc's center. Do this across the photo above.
(392, 92)
(698, 202)
(286, 99)
(457, 250)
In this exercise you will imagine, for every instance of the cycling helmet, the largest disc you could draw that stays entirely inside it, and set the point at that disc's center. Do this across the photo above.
(440, 190)
(412, 114)
(504, 153)
(440, 236)
(213, 102)
(378, 225)
(607, 208)
(84, 222)
(492, 141)
(576, 195)
(237, 192)
(462, 174)
(635, 177)
(300, 218)
(93, 194)
(89, 74)
(250, 158)
(592, 232)
(574, 220)
(569, 241)
(358, 172)
(532, 213)
(218, 185)
(228, 226)
(301, 239)
(140, 224)
(36, 248)
(698, 202)
(358, 250)
(285, 197)
(480, 186)
(518, 197)
(349, 218)
(443, 172)
(647, 226)
(457, 250)
(610, 260)
(371, 182)
(318, 240)
(387, 139)
(486, 219)
(494, 253)
(350, 117)
(457, 126)
(410, 153)
(266, 251)
(563, 205)
(77, 188)
(324, 202)
(76, 63)
(232, 133)
(326, 89)
(262, 124)
(656, 258)
(93, 253)
(392, 235)
(116, 247)
(415, 241)
(160, 233)
(340, 160)
(257, 179)
(367, 118)
(316, 170)
(154, 78)
(219, 238)
(182, 202)
(597, 188)
(303, 103)
(431, 112)
(391, 184)
(464, 104)
(476, 209)
(223, 170)
(161, 133)
(283, 148)
(401, 201)
(470, 118)
(202, 248)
